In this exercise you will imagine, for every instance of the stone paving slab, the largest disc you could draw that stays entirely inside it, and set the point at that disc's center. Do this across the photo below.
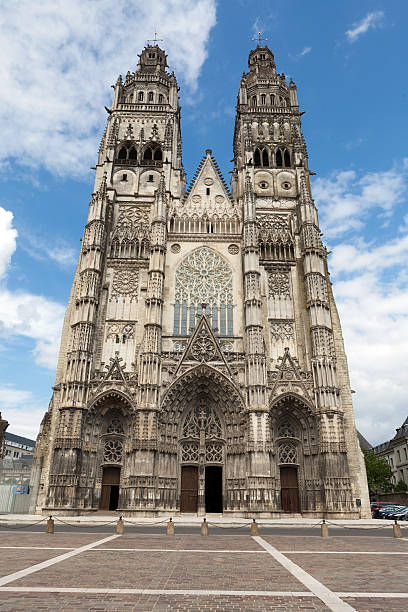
(377, 605)
(16, 560)
(65, 540)
(186, 542)
(161, 570)
(359, 573)
(338, 543)
(66, 602)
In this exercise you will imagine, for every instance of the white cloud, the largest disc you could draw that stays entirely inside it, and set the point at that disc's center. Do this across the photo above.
(371, 20)
(59, 59)
(371, 289)
(22, 410)
(345, 199)
(21, 313)
(375, 327)
(45, 250)
(8, 236)
(305, 51)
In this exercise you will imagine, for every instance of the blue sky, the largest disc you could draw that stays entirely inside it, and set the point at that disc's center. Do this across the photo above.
(348, 60)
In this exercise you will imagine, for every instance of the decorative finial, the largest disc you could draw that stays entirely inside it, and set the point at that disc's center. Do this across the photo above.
(259, 38)
(155, 40)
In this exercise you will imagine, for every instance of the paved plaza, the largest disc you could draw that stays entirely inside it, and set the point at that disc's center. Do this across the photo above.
(84, 570)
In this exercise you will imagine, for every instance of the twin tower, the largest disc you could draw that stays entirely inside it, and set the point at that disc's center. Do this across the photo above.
(202, 366)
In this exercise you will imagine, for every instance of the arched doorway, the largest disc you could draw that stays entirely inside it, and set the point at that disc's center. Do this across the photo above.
(202, 459)
(202, 440)
(110, 488)
(294, 431)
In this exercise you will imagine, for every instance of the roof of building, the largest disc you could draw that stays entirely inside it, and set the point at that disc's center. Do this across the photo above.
(9, 437)
(364, 444)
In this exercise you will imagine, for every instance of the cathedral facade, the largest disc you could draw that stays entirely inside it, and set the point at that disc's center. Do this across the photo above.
(202, 366)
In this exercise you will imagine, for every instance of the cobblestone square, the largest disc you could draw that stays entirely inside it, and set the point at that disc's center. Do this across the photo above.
(137, 572)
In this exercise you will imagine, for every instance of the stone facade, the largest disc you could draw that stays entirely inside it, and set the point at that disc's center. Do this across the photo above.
(202, 366)
(395, 452)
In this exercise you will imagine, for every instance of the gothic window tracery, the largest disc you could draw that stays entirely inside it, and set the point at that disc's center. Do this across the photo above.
(261, 157)
(112, 452)
(286, 430)
(202, 433)
(127, 154)
(115, 427)
(203, 277)
(287, 453)
(152, 154)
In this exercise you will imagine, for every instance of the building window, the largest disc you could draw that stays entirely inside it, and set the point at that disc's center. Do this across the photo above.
(161, 98)
(150, 179)
(263, 99)
(203, 277)
(261, 157)
(124, 178)
(16, 454)
(150, 96)
(140, 96)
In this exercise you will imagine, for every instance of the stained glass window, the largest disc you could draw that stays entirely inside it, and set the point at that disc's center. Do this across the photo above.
(203, 277)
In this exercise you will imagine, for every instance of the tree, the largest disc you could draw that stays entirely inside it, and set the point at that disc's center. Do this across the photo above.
(401, 487)
(378, 473)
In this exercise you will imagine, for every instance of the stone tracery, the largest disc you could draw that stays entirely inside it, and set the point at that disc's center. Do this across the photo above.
(203, 277)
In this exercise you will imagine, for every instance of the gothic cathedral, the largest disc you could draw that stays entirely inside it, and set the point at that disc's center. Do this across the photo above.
(202, 366)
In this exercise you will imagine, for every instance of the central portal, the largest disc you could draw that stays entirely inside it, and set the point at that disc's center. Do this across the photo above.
(213, 488)
(110, 488)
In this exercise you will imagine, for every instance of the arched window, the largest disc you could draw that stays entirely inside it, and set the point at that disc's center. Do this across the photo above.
(158, 154)
(286, 159)
(148, 154)
(161, 98)
(273, 99)
(203, 277)
(257, 158)
(265, 158)
(132, 153)
(263, 99)
(287, 453)
(279, 158)
(253, 100)
(122, 153)
(286, 430)
(150, 96)
(140, 96)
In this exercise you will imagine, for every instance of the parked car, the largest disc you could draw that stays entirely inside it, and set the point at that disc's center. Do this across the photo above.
(400, 515)
(386, 513)
(377, 506)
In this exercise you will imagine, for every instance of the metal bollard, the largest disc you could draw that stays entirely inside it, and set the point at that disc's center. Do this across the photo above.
(50, 525)
(324, 530)
(396, 530)
(254, 528)
(204, 528)
(120, 526)
(170, 527)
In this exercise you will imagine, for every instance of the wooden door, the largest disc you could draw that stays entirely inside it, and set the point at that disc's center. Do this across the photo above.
(110, 477)
(289, 489)
(189, 488)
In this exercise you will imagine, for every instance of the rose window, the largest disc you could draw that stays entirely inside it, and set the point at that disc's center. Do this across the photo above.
(113, 451)
(203, 277)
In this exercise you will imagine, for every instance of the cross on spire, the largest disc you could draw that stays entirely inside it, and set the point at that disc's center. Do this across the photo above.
(155, 39)
(259, 38)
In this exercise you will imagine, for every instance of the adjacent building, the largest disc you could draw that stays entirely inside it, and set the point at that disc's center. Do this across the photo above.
(17, 446)
(3, 426)
(202, 366)
(395, 452)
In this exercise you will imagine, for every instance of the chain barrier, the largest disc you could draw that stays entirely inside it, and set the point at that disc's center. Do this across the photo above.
(240, 526)
(368, 528)
(5, 526)
(125, 520)
(87, 526)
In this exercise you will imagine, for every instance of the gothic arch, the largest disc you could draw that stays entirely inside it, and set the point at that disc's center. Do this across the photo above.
(201, 381)
(107, 396)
